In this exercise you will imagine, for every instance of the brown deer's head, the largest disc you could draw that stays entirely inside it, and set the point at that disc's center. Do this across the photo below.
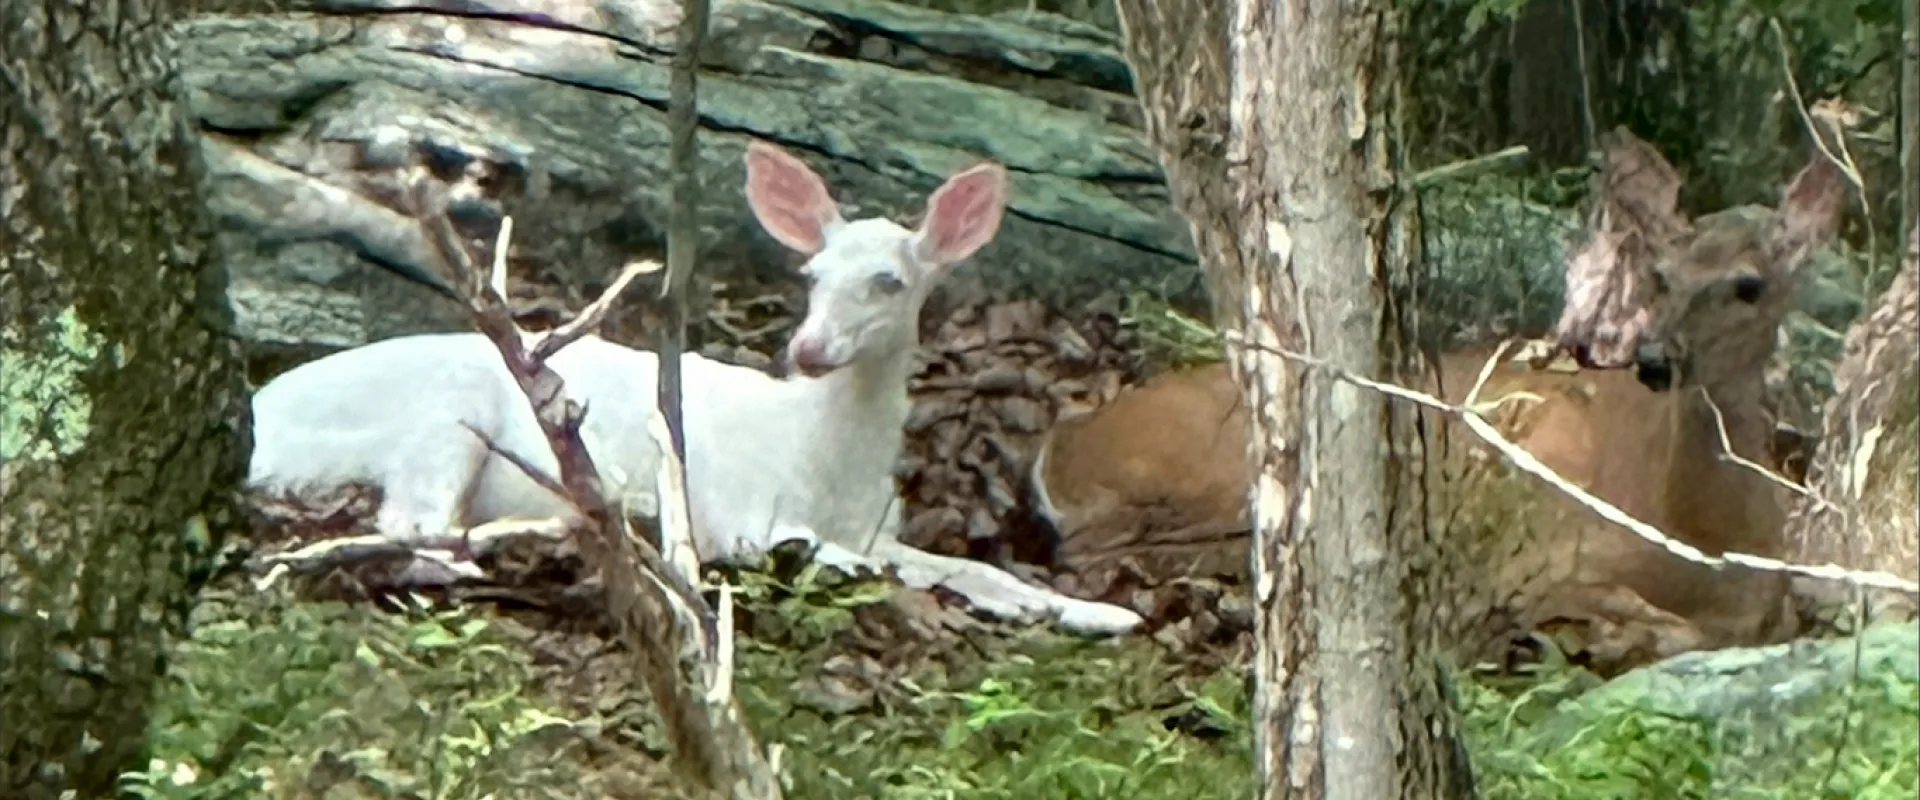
(1716, 301)
(1689, 304)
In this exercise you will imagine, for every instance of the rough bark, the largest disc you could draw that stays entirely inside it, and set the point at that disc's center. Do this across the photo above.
(1866, 472)
(125, 405)
(1178, 52)
(1302, 244)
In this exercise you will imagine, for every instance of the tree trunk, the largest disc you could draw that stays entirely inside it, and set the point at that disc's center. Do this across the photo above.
(1178, 52)
(125, 402)
(1909, 116)
(1302, 246)
(1865, 468)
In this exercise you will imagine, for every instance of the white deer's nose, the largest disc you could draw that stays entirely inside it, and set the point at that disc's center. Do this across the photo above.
(809, 356)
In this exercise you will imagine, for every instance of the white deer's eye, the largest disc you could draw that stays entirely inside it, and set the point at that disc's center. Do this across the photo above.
(888, 283)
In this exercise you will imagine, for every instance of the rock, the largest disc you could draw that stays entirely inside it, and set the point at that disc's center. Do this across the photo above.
(311, 121)
(1750, 690)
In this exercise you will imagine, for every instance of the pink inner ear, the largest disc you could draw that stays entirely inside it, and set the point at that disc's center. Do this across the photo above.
(789, 199)
(963, 214)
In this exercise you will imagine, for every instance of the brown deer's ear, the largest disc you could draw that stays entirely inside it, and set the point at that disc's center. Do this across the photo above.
(1636, 224)
(1603, 312)
(789, 199)
(1809, 212)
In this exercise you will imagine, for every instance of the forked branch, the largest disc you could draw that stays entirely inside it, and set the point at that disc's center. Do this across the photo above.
(676, 641)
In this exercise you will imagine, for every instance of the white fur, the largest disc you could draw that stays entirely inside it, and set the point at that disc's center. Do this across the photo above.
(767, 459)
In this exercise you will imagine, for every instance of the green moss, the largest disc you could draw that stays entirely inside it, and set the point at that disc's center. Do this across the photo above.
(44, 410)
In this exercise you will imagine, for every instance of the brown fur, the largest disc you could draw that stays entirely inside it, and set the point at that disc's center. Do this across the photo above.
(1161, 471)
(1651, 454)
(1106, 474)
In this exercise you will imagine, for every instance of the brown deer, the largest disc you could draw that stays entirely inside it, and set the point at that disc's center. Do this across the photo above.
(1693, 308)
(1101, 479)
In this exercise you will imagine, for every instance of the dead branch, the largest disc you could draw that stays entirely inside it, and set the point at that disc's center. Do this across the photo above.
(660, 616)
(1499, 161)
(453, 553)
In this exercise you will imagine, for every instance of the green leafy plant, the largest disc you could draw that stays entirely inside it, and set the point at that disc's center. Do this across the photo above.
(267, 695)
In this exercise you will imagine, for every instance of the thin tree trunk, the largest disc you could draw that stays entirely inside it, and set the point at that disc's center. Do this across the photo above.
(683, 223)
(1303, 247)
(125, 400)
(1909, 116)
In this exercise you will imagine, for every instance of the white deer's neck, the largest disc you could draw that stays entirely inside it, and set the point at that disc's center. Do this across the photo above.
(869, 397)
(857, 439)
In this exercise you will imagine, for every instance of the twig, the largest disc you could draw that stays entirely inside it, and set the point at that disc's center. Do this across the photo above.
(497, 277)
(1475, 167)
(1852, 688)
(1844, 160)
(590, 317)
(1531, 465)
(1587, 127)
(683, 206)
(722, 689)
(1727, 452)
(520, 462)
(448, 551)
(676, 526)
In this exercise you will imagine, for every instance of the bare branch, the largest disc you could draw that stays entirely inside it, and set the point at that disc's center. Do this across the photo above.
(533, 473)
(1511, 158)
(1726, 445)
(448, 552)
(590, 317)
(1526, 461)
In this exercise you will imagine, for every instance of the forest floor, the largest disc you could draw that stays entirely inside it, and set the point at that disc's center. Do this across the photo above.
(867, 691)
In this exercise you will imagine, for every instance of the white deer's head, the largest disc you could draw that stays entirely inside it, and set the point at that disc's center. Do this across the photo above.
(867, 278)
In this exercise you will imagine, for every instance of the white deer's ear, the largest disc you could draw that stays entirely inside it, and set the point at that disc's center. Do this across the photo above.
(962, 215)
(789, 199)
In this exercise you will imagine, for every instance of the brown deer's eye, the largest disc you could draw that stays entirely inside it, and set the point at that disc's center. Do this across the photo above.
(1749, 288)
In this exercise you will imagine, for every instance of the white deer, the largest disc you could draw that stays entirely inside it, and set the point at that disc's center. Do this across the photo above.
(768, 459)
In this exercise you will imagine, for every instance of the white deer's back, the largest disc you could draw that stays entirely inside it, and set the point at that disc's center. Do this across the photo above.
(353, 415)
(764, 455)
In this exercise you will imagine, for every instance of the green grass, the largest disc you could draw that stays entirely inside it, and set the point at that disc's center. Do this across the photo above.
(269, 696)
